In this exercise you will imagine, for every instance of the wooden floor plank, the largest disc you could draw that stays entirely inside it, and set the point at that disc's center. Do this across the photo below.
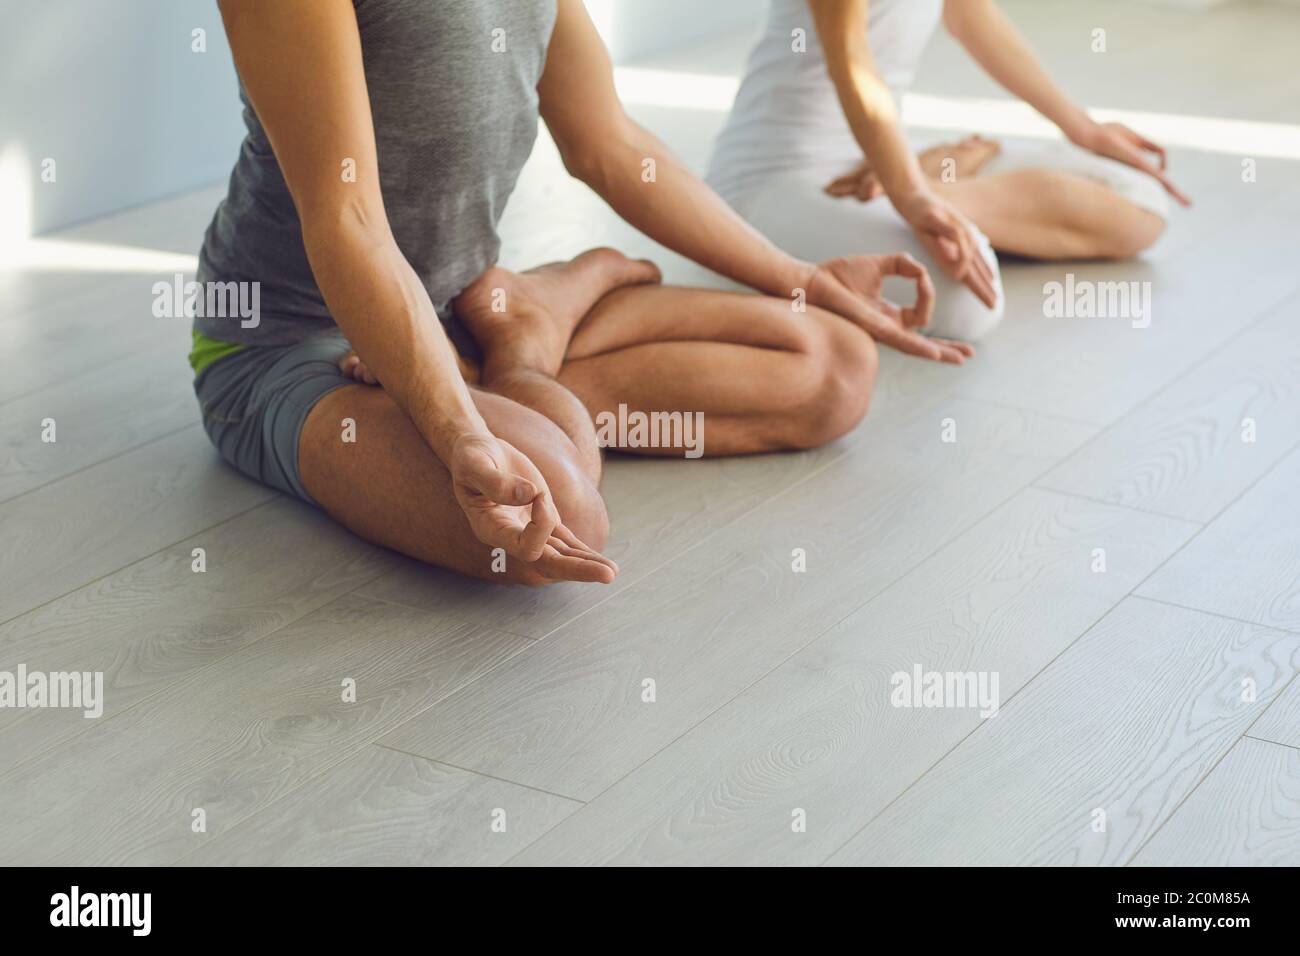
(384, 808)
(115, 513)
(65, 341)
(119, 407)
(1196, 446)
(234, 737)
(123, 253)
(569, 715)
(158, 620)
(1245, 813)
(223, 687)
(660, 508)
(1246, 563)
(1281, 722)
(1125, 723)
(819, 734)
(1098, 369)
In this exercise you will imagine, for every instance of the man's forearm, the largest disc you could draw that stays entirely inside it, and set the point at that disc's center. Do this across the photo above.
(385, 312)
(652, 190)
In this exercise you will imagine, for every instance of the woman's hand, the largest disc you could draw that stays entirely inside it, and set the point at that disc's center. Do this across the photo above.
(509, 506)
(1117, 141)
(851, 287)
(950, 239)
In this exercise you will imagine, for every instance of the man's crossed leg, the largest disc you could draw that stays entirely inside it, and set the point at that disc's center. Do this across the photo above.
(561, 345)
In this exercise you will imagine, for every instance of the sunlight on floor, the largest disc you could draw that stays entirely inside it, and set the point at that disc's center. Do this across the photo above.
(61, 255)
(1008, 118)
(20, 251)
(705, 91)
(15, 197)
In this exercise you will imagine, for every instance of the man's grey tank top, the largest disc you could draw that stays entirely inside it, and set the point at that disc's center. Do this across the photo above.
(453, 92)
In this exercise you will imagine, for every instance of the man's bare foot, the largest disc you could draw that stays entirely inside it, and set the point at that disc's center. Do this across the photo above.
(968, 157)
(526, 319)
(357, 370)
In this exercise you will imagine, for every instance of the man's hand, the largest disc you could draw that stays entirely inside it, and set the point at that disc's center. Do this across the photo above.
(1117, 141)
(950, 239)
(509, 506)
(851, 287)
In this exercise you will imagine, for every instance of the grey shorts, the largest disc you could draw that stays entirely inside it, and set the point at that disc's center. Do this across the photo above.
(256, 400)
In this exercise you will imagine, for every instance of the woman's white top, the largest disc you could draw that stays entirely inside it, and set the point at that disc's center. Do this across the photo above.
(787, 114)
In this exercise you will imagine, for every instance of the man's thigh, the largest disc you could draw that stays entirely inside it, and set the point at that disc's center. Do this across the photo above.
(366, 464)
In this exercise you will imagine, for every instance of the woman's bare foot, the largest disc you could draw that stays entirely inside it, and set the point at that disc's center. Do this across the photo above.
(945, 163)
(968, 157)
(526, 319)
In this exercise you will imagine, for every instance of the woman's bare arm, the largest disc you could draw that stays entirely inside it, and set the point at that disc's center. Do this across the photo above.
(865, 100)
(869, 108)
(995, 44)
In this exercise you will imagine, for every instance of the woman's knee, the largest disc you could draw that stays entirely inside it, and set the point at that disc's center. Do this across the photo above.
(1139, 209)
(959, 315)
(1109, 215)
(1132, 231)
(958, 312)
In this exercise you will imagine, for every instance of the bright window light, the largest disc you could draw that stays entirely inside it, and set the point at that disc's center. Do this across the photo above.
(710, 92)
(1013, 118)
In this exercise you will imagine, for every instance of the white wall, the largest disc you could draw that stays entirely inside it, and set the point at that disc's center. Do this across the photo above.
(110, 90)
(636, 28)
(113, 93)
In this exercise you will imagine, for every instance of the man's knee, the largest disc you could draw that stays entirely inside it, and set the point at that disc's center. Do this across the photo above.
(581, 510)
(575, 495)
(842, 376)
(563, 465)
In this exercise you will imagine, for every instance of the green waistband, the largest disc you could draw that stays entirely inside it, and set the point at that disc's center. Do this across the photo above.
(205, 351)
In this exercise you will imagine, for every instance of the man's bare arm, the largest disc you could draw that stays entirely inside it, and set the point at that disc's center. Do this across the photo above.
(605, 148)
(300, 61)
(316, 111)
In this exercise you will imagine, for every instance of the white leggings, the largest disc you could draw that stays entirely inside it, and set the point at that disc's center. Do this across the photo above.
(794, 212)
